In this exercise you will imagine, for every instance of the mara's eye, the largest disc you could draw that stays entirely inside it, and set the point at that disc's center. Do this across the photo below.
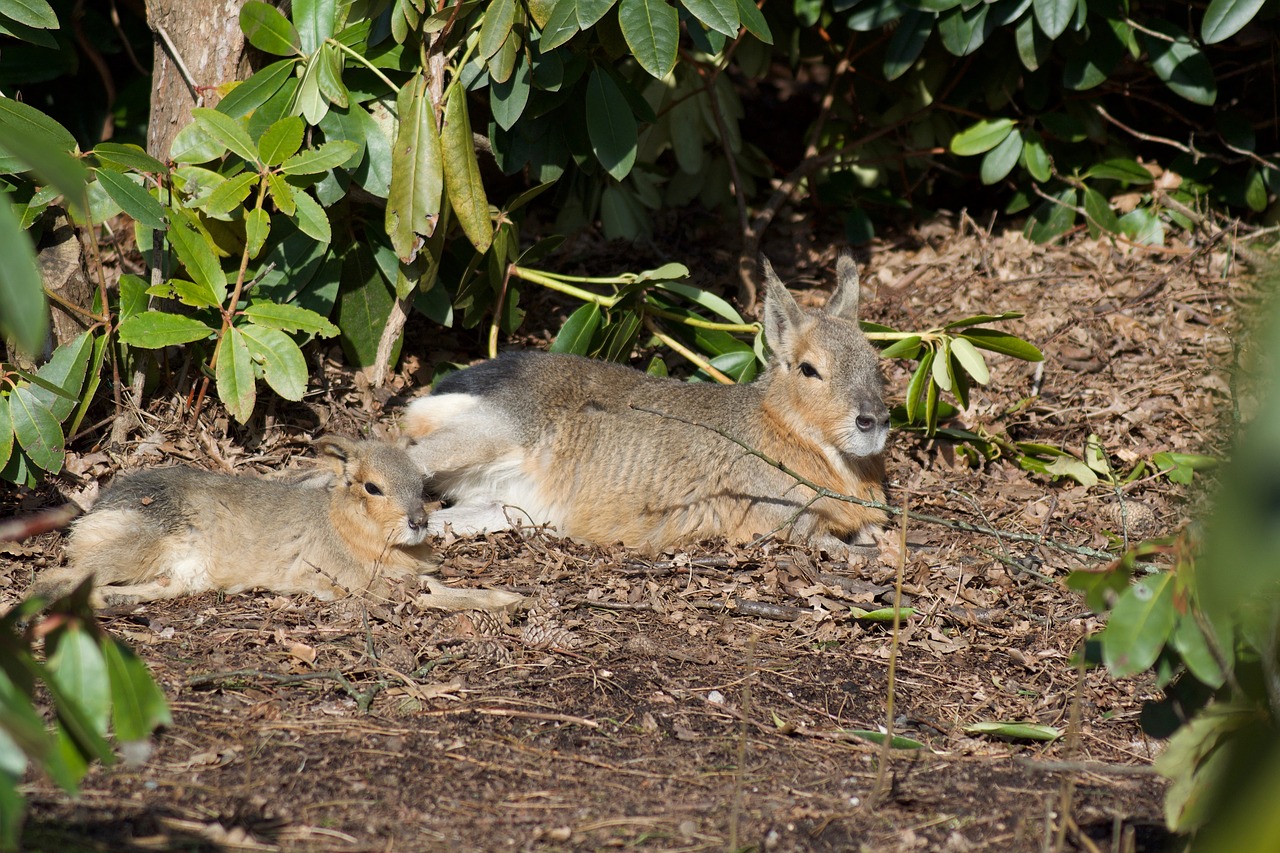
(372, 489)
(807, 369)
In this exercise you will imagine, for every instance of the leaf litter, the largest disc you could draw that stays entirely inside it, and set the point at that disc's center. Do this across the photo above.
(638, 698)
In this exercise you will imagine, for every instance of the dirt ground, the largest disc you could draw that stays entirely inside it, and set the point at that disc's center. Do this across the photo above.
(706, 699)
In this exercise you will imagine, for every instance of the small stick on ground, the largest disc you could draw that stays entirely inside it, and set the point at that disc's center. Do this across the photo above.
(880, 791)
(739, 772)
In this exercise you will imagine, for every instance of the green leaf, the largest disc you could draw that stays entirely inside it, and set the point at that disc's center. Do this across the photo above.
(561, 26)
(23, 314)
(62, 376)
(971, 360)
(257, 227)
(906, 42)
(327, 156)
(193, 145)
(1033, 45)
(229, 194)
(76, 664)
(1035, 158)
(315, 20)
(283, 365)
(1120, 169)
(247, 96)
(1099, 212)
(186, 292)
(1143, 226)
(198, 257)
(35, 147)
(6, 438)
(364, 303)
(1225, 18)
(1002, 342)
(917, 385)
(1067, 465)
(698, 296)
(27, 122)
(281, 140)
(651, 29)
(234, 374)
(499, 17)
(908, 347)
(719, 15)
(611, 125)
(942, 366)
(125, 157)
(329, 64)
(1052, 219)
(137, 702)
(282, 194)
(311, 218)
(31, 13)
(289, 318)
(508, 99)
(157, 329)
(268, 29)
(1180, 64)
(13, 807)
(20, 722)
(227, 132)
(133, 296)
(1015, 731)
(962, 30)
(1054, 15)
(882, 614)
(462, 171)
(896, 742)
(754, 21)
(982, 136)
(1202, 768)
(1189, 640)
(983, 318)
(578, 331)
(1181, 467)
(1100, 588)
(619, 338)
(417, 171)
(999, 161)
(37, 429)
(1139, 625)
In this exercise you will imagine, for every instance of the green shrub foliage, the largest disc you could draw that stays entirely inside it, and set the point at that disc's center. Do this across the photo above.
(382, 157)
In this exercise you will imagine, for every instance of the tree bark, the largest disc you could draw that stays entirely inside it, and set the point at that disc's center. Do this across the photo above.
(198, 45)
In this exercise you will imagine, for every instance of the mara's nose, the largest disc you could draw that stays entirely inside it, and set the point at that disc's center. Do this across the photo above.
(870, 423)
(417, 522)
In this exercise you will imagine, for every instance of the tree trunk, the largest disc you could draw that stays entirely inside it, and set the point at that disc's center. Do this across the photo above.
(198, 45)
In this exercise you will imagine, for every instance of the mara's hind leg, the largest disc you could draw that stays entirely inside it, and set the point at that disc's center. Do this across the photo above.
(118, 595)
(56, 582)
(457, 433)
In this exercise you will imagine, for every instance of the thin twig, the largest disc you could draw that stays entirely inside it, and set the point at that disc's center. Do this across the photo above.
(172, 50)
(822, 491)
(880, 789)
(700, 362)
(739, 772)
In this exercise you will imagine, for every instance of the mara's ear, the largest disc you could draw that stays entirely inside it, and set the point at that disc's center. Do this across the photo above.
(782, 315)
(844, 302)
(336, 451)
